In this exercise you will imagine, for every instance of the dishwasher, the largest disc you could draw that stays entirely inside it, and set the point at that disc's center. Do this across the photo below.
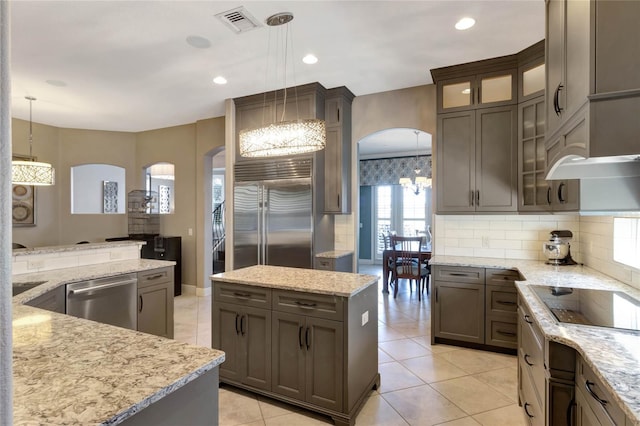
(110, 300)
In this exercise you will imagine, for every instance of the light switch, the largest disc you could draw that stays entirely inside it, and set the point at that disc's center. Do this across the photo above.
(190, 231)
(365, 318)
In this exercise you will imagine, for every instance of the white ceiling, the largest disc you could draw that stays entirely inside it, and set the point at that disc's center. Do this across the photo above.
(126, 65)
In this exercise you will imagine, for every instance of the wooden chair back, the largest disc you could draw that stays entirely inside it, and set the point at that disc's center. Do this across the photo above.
(404, 260)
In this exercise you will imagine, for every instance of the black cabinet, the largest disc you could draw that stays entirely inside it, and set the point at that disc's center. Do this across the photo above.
(165, 248)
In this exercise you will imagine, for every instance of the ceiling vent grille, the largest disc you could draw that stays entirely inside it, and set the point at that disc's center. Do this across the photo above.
(239, 20)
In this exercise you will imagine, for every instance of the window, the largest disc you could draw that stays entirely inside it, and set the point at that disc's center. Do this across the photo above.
(626, 241)
(160, 179)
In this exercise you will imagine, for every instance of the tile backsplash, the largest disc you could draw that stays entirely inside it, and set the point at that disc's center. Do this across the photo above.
(501, 236)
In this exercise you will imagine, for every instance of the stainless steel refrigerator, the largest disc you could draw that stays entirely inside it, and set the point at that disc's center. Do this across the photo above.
(273, 214)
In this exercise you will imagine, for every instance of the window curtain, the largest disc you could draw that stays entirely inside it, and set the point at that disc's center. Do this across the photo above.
(388, 171)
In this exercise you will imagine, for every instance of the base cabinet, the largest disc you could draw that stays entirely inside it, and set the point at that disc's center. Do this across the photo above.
(318, 351)
(155, 302)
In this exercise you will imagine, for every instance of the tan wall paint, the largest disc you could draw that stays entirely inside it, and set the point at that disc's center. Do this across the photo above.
(175, 145)
(76, 147)
(210, 140)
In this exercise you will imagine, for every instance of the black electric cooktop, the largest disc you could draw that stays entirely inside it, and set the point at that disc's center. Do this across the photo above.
(601, 308)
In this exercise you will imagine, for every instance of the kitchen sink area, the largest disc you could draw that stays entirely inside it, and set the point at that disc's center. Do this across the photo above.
(24, 286)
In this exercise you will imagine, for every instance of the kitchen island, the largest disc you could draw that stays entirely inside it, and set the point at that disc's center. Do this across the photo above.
(306, 337)
(68, 370)
(613, 355)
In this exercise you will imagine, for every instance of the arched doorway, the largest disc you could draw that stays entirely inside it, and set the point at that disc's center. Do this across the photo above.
(384, 158)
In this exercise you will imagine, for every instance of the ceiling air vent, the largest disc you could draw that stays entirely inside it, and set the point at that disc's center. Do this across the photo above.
(238, 19)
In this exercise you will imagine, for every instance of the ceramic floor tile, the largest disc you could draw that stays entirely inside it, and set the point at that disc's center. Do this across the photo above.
(412, 328)
(394, 376)
(471, 395)
(511, 415)
(387, 333)
(475, 361)
(403, 349)
(383, 357)
(377, 411)
(298, 419)
(433, 369)
(272, 408)
(423, 406)
(504, 380)
(465, 421)
(237, 407)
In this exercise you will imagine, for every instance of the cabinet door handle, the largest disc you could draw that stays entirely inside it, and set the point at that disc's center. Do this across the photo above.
(527, 318)
(572, 404)
(526, 359)
(338, 114)
(561, 192)
(141, 303)
(237, 328)
(478, 198)
(242, 328)
(436, 294)
(471, 197)
(338, 200)
(526, 410)
(588, 385)
(307, 339)
(300, 337)
(556, 100)
(507, 333)
(505, 302)
(548, 195)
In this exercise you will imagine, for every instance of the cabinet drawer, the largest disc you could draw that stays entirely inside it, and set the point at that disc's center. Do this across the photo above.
(459, 274)
(155, 276)
(533, 408)
(314, 305)
(598, 398)
(504, 277)
(502, 300)
(531, 350)
(501, 333)
(240, 294)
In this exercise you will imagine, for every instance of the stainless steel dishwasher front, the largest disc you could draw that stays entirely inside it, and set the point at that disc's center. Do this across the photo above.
(110, 300)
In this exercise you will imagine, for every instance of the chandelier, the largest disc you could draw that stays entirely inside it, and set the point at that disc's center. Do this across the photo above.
(420, 182)
(31, 172)
(283, 137)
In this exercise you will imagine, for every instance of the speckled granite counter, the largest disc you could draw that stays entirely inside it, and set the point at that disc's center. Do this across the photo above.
(309, 280)
(334, 254)
(68, 370)
(29, 251)
(613, 355)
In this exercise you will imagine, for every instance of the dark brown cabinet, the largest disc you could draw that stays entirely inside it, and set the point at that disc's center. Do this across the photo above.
(477, 160)
(337, 153)
(312, 349)
(474, 305)
(155, 302)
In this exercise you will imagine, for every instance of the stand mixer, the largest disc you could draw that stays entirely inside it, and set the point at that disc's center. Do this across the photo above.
(557, 249)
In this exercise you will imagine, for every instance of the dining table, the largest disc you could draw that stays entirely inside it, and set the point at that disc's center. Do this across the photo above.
(422, 252)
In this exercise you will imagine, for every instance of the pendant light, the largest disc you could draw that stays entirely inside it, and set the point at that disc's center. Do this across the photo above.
(420, 182)
(283, 137)
(31, 172)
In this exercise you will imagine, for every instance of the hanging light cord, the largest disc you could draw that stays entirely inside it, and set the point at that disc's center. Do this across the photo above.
(31, 99)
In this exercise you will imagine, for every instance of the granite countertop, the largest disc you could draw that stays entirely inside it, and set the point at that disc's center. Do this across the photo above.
(334, 254)
(308, 280)
(613, 355)
(30, 251)
(68, 370)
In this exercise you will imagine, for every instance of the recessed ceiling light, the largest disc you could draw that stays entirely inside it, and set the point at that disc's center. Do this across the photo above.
(198, 42)
(58, 83)
(466, 91)
(465, 23)
(310, 59)
(220, 80)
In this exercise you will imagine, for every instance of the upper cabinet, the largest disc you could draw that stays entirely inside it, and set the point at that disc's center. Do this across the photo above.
(337, 154)
(477, 91)
(593, 86)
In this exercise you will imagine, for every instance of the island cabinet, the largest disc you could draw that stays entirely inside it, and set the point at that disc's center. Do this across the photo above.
(155, 302)
(593, 87)
(337, 153)
(474, 307)
(314, 350)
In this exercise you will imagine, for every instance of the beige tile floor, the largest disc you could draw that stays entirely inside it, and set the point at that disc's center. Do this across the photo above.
(420, 384)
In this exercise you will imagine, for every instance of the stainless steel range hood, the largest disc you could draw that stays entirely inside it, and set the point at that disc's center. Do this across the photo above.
(576, 167)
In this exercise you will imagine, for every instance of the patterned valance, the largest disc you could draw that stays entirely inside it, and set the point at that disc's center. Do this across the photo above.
(388, 171)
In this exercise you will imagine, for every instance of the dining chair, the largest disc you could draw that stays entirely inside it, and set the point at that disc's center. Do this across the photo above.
(406, 266)
(385, 239)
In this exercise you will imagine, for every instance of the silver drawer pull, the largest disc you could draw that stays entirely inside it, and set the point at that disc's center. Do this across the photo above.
(588, 385)
(154, 277)
(505, 302)
(306, 305)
